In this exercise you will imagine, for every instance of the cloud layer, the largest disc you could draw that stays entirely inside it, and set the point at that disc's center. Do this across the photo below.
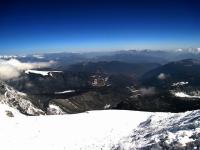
(147, 91)
(12, 68)
(162, 76)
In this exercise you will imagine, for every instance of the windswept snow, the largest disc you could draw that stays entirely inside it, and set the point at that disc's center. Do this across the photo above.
(87, 131)
(65, 92)
(184, 95)
(105, 130)
(43, 73)
(165, 131)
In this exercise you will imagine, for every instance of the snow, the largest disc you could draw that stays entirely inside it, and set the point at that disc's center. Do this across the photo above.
(4, 108)
(165, 131)
(43, 73)
(65, 92)
(94, 130)
(55, 110)
(107, 106)
(184, 95)
(18, 100)
(180, 83)
(89, 131)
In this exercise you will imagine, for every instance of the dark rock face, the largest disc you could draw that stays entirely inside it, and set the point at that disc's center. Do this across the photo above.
(38, 84)
(184, 70)
(161, 102)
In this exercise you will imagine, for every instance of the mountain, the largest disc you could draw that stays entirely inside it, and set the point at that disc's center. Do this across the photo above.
(103, 85)
(173, 87)
(64, 59)
(187, 70)
(73, 92)
(165, 131)
(134, 56)
(49, 82)
(19, 101)
(114, 67)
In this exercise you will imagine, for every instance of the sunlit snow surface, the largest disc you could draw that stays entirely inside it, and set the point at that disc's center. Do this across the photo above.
(91, 130)
(95, 130)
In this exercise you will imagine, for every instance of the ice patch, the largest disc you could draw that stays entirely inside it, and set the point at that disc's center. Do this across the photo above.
(43, 73)
(65, 92)
(180, 83)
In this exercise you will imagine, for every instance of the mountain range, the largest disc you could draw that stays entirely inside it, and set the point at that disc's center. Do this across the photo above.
(142, 99)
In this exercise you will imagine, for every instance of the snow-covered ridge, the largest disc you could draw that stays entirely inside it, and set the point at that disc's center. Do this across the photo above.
(17, 100)
(43, 73)
(184, 95)
(165, 131)
(54, 109)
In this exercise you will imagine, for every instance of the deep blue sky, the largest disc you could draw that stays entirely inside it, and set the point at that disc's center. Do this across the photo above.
(28, 26)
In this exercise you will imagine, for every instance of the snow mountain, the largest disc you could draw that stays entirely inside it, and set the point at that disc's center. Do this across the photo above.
(166, 131)
(18, 100)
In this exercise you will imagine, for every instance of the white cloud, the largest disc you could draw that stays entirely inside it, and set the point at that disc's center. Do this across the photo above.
(12, 68)
(147, 91)
(162, 76)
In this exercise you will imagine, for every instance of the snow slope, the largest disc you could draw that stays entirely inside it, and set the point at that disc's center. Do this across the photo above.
(166, 131)
(95, 130)
(18, 100)
(88, 131)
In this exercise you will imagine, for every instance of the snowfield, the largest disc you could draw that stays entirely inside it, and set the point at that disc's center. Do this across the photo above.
(65, 92)
(89, 131)
(95, 130)
(182, 94)
(43, 73)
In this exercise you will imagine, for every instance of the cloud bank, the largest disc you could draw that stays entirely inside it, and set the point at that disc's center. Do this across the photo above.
(12, 68)
(147, 91)
(162, 76)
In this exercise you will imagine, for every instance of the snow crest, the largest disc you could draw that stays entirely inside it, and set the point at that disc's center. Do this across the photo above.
(18, 100)
(165, 131)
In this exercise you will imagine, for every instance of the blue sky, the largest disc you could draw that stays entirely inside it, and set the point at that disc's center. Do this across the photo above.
(95, 25)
